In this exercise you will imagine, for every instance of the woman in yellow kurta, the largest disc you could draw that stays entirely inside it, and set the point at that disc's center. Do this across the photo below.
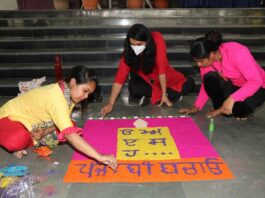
(31, 117)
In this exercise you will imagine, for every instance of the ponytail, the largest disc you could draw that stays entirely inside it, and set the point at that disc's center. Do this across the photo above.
(215, 37)
(203, 46)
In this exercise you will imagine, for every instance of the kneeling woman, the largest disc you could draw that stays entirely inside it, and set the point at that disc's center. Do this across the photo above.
(45, 112)
(231, 77)
(151, 76)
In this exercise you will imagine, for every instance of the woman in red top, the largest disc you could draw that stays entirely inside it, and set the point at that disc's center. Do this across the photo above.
(151, 76)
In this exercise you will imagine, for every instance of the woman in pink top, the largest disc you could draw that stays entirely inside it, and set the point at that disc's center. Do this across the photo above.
(231, 77)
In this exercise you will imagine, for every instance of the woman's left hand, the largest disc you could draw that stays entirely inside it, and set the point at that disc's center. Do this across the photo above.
(227, 106)
(165, 100)
(214, 113)
(39, 133)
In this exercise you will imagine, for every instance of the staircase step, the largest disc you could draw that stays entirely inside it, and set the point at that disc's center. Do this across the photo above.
(88, 54)
(9, 87)
(89, 30)
(103, 69)
(96, 22)
(122, 36)
(140, 13)
(113, 40)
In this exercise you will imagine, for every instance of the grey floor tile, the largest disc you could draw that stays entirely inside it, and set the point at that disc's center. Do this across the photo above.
(147, 190)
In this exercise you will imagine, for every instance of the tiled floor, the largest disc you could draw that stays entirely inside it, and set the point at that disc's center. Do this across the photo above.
(240, 143)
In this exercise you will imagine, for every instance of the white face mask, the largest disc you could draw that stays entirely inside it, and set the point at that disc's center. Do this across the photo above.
(138, 49)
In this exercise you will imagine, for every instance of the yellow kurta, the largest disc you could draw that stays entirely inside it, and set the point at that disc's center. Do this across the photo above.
(39, 107)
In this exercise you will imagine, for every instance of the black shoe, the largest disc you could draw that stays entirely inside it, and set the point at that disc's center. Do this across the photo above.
(133, 100)
(144, 101)
(180, 98)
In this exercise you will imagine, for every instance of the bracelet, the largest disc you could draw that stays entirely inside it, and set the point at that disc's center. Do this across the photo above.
(165, 94)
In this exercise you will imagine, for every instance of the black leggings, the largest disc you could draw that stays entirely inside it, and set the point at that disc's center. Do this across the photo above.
(219, 90)
(138, 88)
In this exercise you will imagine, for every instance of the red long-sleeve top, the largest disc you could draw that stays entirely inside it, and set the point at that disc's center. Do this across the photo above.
(175, 79)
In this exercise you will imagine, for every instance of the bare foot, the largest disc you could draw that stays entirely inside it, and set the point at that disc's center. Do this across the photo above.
(214, 113)
(19, 154)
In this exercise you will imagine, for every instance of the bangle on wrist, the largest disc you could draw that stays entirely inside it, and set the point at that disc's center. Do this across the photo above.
(164, 94)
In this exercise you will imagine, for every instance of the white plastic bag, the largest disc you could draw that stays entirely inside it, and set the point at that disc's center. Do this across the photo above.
(28, 85)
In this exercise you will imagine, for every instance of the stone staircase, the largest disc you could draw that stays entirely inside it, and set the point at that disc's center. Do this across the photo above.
(30, 40)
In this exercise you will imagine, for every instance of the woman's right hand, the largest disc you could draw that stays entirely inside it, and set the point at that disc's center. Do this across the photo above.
(107, 109)
(190, 110)
(108, 160)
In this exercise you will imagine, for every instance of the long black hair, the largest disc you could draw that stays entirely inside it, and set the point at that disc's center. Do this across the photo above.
(83, 75)
(145, 61)
(215, 37)
(203, 46)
